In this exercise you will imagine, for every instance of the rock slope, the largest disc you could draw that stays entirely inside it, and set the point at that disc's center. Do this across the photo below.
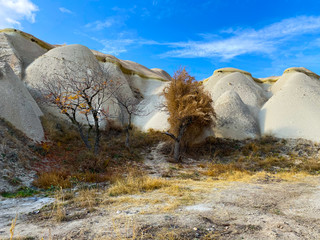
(20, 49)
(17, 105)
(287, 106)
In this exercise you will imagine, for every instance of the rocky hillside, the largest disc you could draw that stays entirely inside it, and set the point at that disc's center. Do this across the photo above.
(246, 107)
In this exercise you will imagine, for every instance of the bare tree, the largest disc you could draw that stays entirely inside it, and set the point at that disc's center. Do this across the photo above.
(132, 106)
(79, 92)
(190, 110)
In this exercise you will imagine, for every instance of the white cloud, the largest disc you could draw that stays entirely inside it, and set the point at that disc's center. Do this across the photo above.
(114, 21)
(120, 45)
(262, 41)
(115, 47)
(65, 10)
(13, 11)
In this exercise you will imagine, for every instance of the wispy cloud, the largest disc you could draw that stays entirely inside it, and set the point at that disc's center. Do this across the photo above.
(121, 44)
(13, 11)
(65, 10)
(114, 21)
(262, 41)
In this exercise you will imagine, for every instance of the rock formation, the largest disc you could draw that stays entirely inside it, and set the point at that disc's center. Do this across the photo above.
(20, 49)
(287, 106)
(234, 118)
(17, 105)
(139, 82)
(294, 109)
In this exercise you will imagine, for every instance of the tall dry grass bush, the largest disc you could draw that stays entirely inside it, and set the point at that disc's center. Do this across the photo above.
(186, 99)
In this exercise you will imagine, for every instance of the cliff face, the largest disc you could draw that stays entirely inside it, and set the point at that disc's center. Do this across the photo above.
(286, 106)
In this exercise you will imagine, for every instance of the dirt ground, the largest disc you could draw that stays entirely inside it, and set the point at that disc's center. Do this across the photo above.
(263, 206)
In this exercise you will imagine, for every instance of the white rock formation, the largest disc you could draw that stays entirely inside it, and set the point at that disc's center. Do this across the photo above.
(134, 80)
(72, 62)
(251, 98)
(239, 81)
(20, 49)
(234, 118)
(286, 106)
(73, 59)
(294, 109)
(142, 83)
(17, 105)
(132, 68)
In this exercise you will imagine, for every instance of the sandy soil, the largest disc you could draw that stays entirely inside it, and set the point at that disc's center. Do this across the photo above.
(260, 207)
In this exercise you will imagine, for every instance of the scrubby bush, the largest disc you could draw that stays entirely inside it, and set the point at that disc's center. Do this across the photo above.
(190, 109)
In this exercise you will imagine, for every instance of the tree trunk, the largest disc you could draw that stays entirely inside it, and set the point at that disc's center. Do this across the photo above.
(128, 128)
(177, 145)
(127, 143)
(97, 130)
(176, 151)
(83, 137)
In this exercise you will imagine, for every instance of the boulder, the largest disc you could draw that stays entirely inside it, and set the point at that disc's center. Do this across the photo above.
(234, 119)
(294, 109)
(17, 105)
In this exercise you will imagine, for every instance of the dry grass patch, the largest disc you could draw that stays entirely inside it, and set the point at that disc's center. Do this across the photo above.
(87, 198)
(64, 179)
(59, 207)
(136, 182)
(53, 179)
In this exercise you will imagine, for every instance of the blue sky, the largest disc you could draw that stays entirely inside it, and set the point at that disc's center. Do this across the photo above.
(262, 37)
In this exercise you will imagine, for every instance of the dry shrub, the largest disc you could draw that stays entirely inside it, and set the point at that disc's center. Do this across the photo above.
(59, 130)
(146, 139)
(87, 198)
(114, 126)
(272, 164)
(218, 169)
(53, 179)
(65, 179)
(215, 147)
(266, 145)
(88, 161)
(187, 103)
(136, 182)
(58, 208)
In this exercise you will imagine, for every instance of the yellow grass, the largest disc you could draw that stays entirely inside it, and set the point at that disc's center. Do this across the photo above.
(13, 225)
(58, 210)
(136, 184)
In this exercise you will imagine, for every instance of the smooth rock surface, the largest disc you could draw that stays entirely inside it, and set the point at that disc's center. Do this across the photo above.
(18, 51)
(234, 119)
(66, 62)
(294, 109)
(17, 105)
(243, 84)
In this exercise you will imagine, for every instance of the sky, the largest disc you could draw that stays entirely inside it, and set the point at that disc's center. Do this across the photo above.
(258, 36)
